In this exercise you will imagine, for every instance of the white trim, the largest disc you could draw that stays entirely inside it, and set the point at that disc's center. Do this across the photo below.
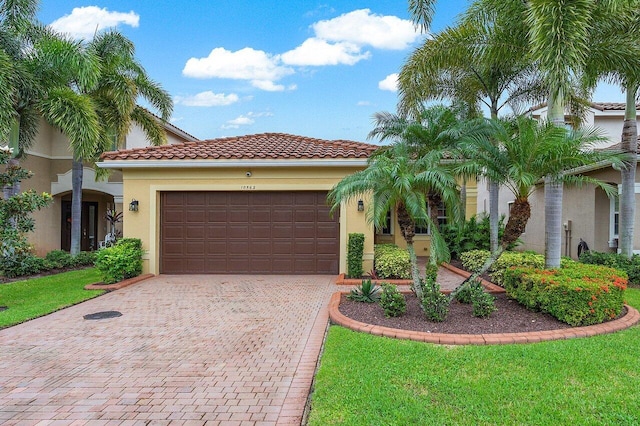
(64, 184)
(49, 157)
(180, 164)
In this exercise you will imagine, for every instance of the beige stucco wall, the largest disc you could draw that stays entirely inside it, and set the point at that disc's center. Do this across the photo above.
(145, 185)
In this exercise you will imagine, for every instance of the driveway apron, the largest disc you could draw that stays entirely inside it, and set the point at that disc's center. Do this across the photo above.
(198, 349)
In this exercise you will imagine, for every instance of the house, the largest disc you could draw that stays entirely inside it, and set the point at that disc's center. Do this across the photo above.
(587, 212)
(246, 204)
(50, 158)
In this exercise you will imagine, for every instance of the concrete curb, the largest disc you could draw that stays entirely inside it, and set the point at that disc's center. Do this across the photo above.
(119, 285)
(631, 318)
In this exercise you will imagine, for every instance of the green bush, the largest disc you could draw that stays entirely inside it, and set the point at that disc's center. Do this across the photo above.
(367, 292)
(464, 295)
(484, 304)
(60, 259)
(355, 253)
(617, 261)
(509, 259)
(473, 260)
(85, 258)
(390, 261)
(24, 264)
(578, 294)
(392, 301)
(122, 261)
(470, 235)
(434, 303)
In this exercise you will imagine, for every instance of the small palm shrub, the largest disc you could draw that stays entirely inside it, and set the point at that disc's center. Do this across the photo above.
(470, 235)
(392, 301)
(122, 261)
(434, 303)
(366, 292)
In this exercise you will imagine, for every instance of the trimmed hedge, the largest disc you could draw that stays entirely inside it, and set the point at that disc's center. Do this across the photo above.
(122, 261)
(578, 294)
(355, 254)
(391, 262)
(615, 260)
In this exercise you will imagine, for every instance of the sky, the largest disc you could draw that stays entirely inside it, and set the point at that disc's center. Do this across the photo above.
(233, 67)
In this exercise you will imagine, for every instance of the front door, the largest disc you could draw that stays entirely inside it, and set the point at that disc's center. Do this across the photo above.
(88, 226)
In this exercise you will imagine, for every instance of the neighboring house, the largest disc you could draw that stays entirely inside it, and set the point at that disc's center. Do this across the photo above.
(49, 158)
(247, 204)
(587, 212)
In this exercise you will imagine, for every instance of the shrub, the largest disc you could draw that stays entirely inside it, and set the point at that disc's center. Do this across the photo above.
(473, 260)
(390, 261)
(355, 253)
(122, 261)
(615, 260)
(392, 301)
(578, 294)
(60, 259)
(509, 259)
(435, 303)
(85, 258)
(367, 292)
(464, 295)
(484, 304)
(470, 235)
(24, 264)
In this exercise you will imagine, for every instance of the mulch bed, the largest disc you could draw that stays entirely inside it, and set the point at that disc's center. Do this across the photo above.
(511, 317)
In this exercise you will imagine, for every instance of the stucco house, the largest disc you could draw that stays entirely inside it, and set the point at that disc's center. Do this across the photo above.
(50, 158)
(587, 212)
(246, 204)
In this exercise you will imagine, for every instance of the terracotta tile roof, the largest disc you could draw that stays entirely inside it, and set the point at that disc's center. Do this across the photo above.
(602, 106)
(618, 146)
(266, 146)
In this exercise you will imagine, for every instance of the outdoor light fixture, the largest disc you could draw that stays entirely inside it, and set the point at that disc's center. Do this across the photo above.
(360, 205)
(133, 205)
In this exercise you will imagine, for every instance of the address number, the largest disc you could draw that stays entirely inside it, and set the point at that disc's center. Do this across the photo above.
(248, 187)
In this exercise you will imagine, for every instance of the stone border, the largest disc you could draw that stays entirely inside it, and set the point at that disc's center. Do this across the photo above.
(631, 318)
(118, 285)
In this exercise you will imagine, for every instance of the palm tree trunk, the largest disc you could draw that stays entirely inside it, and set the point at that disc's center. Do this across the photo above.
(408, 230)
(494, 220)
(553, 196)
(14, 140)
(76, 206)
(628, 175)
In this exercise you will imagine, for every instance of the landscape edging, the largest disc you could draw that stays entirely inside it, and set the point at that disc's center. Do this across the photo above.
(119, 285)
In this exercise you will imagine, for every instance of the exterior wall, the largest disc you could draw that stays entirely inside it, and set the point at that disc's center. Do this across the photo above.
(145, 185)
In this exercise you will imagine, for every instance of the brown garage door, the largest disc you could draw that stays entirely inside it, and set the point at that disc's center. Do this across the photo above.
(247, 233)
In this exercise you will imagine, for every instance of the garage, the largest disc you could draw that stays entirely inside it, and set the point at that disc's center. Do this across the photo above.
(270, 232)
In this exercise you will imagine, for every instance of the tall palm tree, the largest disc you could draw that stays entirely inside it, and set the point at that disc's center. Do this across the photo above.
(561, 41)
(520, 153)
(397, 180)
(476, 65)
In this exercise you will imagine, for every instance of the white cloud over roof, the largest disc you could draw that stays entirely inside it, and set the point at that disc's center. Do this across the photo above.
(318, 52)
(84, 22)
(390, 83)
(207, 99)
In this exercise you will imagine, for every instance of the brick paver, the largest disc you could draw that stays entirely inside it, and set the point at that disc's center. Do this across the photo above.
(187, 350)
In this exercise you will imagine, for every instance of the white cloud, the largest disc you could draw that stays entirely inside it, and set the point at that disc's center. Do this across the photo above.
(245, 120)
(362, 27)
(363, 103)
(244, 64)
(267, 85)
(318, 52)
(207, 99)
(241, 121)
(390, 83)
(84, 22)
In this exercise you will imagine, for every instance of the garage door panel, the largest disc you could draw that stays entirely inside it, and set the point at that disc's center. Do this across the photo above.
(248, 232)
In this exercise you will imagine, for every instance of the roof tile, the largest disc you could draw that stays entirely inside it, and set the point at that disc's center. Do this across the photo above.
(266, 145)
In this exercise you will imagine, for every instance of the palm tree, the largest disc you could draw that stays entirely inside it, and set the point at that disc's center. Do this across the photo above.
(560, 39)
(474, 65)
(397, 180)
(520, 153)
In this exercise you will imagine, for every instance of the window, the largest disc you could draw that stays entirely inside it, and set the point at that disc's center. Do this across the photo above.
(614, 219)
(386, 229)
(442, 219)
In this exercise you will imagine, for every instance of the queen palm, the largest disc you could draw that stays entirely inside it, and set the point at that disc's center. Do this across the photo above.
(397, 180)
(476, 65)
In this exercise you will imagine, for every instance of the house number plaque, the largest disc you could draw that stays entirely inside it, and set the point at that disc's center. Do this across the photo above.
(247, 187)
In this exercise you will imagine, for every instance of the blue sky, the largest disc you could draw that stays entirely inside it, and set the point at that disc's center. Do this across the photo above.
(317, 69)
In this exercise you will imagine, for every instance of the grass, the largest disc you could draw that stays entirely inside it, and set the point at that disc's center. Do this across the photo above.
(369, 380)
(36, 297)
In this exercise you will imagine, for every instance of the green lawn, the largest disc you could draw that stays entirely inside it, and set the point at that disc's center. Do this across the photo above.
(369, 380)
(36, 297)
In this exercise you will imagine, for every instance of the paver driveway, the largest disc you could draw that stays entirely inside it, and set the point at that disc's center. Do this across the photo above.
(186, 350)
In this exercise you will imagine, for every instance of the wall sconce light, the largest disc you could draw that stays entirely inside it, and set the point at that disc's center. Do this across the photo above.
(133, 205)
(360, 205)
